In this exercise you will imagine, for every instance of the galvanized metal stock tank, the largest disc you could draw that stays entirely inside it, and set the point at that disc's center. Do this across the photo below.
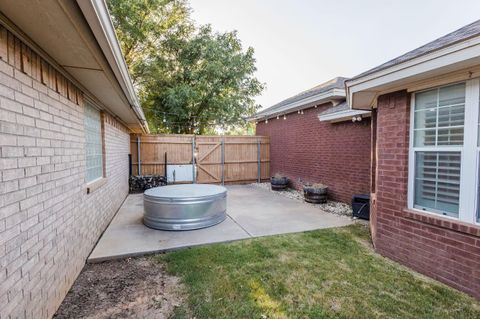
(184, 207)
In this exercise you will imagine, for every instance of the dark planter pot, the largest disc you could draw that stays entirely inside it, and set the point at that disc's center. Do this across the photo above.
(315, 195)
(279, 183)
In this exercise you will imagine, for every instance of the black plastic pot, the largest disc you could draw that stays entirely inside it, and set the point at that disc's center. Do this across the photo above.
(279, 183)
(315, 195)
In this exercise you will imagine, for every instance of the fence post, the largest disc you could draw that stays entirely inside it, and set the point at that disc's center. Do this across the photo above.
(165, 169)
(194, 177)
(259, 168)
(138, 156)
(223, 160)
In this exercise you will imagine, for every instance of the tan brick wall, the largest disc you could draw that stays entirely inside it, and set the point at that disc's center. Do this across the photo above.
(48, 222)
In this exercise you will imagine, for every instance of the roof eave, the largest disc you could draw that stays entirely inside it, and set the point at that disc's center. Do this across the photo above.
(97, 17)
(363, 91)
(317, 99)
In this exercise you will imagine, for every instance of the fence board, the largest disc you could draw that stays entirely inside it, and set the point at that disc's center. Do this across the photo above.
(240, 156)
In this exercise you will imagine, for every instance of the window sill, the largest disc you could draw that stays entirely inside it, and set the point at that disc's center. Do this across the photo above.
(442, 222)
(96, 184)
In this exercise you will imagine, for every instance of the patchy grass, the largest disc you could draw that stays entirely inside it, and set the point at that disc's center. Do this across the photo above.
(329, 273)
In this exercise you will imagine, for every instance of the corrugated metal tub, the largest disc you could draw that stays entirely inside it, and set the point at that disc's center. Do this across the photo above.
(184, 207)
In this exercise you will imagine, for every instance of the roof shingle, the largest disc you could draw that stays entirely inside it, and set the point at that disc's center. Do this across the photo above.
(336, 83)
(462, 34)
(338, 108)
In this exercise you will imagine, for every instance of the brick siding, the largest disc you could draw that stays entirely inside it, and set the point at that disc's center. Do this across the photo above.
(443, 249)
(336, 154)
(48, 222)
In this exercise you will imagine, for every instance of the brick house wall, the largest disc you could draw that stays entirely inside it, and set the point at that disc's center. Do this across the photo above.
(48, 222)
(336, 154)
(443, 249)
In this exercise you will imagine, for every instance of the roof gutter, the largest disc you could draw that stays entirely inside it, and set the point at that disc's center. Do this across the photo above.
(98, 18)
(343, 115)
(320, 98)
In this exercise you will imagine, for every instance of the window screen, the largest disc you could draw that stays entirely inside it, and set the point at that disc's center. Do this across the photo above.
(437, 181)
(439, 118)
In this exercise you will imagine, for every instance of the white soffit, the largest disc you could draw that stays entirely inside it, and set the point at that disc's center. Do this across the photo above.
(59, 30)
(96, 13)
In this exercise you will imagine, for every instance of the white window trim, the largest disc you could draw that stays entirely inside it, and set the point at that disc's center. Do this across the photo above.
(469, 170)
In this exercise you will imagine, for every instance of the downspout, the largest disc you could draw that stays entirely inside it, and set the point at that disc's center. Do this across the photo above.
(138, 156)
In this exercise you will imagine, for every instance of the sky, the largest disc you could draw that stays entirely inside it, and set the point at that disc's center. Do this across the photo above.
(302, 43)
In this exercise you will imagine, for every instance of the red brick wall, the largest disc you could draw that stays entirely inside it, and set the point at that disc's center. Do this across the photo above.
(336, 154)
(446, 250)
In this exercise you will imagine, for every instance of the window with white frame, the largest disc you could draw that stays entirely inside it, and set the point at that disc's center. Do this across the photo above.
(478, 168)
(445, 150)
(93, 144)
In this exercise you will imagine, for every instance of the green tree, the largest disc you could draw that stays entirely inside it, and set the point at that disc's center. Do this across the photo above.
(189, 79)
(143, 26)
(203, 82)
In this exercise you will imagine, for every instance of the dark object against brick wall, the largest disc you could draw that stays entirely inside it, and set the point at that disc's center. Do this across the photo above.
(335, 154)
(444, 249)
(139, 184)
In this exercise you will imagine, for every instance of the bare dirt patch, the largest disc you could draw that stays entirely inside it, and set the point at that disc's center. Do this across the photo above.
(129, 288)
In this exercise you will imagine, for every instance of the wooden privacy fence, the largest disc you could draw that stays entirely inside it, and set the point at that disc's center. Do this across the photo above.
(215, 159)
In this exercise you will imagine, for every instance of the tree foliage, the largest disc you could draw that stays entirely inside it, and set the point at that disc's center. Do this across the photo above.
(189, 78)
(143, 26)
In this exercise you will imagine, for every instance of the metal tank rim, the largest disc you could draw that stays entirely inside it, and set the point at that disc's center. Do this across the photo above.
(184, 206)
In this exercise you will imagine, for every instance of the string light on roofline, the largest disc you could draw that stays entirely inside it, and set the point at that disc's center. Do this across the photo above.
(278, 117)
(284, 116)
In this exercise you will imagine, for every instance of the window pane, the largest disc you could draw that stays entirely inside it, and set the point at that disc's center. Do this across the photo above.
(451, 115)
(426, 100)
(426, 118)
(450, 136)
(439, 116)
(425, 137)
(452, 94)
(93, 144)
(437, 182)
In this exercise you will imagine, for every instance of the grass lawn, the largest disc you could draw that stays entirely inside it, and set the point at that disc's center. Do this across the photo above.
(330, 273)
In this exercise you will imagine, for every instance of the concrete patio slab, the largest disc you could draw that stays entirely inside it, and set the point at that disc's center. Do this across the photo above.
(252, 212)
(262, 213)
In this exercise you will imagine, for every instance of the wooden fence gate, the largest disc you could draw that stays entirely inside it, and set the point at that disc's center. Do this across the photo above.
(216, 159)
